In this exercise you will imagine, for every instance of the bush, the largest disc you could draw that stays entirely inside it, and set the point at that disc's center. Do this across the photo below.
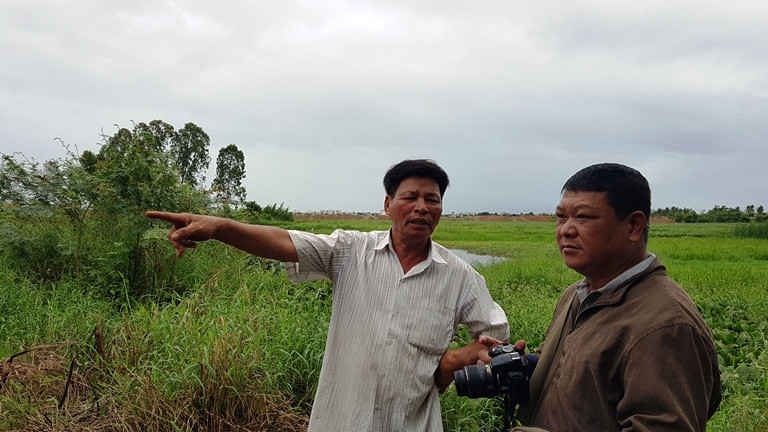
(83, 215)
(255, 213)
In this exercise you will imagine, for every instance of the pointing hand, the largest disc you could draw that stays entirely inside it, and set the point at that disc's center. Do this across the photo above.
(188, 228)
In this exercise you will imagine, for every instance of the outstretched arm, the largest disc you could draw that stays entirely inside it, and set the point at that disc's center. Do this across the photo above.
(259, 240)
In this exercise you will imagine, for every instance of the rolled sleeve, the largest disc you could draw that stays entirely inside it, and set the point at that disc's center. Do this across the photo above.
(481, 314)
(498, 324)
(315, 252)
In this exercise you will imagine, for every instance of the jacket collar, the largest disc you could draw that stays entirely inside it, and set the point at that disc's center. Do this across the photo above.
(583, 288)
(618, 294)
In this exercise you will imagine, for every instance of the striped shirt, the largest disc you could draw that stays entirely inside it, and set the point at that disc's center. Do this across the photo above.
(388, 330)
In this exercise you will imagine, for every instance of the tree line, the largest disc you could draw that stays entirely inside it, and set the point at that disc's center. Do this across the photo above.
(716, 214)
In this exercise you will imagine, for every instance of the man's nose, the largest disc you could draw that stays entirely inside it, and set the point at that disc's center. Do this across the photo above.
(421, 205)
(566, 228)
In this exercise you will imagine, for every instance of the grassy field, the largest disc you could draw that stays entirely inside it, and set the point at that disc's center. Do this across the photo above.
(240, 348)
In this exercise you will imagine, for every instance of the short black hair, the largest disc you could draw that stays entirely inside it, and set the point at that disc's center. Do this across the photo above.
(421, 168)
(625, 188)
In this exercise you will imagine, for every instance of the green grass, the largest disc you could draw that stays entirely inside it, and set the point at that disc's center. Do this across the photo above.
(234, 343)
(33, 314)
(754, 230)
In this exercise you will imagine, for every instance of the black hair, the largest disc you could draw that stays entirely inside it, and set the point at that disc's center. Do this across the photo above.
(421, 168)
(625, 188)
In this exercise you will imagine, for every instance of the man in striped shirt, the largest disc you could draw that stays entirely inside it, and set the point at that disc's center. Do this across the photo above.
(398, 297)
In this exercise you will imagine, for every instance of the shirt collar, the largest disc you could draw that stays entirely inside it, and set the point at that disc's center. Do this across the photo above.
(385, 241)
(582, 289)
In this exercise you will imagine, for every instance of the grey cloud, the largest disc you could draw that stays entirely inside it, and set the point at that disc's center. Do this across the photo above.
(512, 97)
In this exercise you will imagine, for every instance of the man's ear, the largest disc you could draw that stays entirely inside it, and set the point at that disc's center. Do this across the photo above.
(637, 223)
(387, 199)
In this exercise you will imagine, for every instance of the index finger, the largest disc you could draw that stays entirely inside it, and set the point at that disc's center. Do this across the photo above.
(488, 341)
(177, 219)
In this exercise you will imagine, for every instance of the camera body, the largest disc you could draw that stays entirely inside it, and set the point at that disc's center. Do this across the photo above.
(507, 375)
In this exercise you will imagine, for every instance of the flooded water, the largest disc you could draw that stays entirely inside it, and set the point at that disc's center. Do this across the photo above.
(477, 260)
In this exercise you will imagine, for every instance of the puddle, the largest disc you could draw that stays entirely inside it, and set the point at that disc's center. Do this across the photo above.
(477, 260)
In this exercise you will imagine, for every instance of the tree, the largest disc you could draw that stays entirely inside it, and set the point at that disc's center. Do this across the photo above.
(230, 172)
(116, 145)
(157, 135)
(13, 179)
(83, 214)
(89, 161)
(189, 150)
(724, 214)
(677, 214)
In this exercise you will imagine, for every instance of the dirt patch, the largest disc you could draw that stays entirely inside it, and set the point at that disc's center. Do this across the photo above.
(49, 392)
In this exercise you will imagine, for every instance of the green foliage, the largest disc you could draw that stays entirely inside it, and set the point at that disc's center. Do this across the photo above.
(725, 214)
(244, 345)
(39, 247)
(189, 150)
(230, 172)
(753, 230)
(157, 134)
(31, 314)
(217, 331)
(13, 179)
(134, 176)
(254, 213)
(226, 338)
(83, 214)
(678, 214)
(719, 214)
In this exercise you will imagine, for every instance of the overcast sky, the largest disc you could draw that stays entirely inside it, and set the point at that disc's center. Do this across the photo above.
(511, 98)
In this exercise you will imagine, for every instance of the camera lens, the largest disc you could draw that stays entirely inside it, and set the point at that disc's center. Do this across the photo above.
(475, 381)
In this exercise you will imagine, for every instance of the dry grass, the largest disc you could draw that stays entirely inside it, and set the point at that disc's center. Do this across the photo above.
(42, 391)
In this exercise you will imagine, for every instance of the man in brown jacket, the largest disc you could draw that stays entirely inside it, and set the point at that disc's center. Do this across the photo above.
(626, 348)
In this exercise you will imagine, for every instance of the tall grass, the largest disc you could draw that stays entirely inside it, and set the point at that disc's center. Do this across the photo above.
(241, 349)
(32, 314)
(230, 344)
(753, 230)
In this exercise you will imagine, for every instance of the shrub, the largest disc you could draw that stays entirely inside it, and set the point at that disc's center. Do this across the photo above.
(255, 213)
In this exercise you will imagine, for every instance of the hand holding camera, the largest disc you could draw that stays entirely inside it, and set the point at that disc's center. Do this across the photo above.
(506, 374)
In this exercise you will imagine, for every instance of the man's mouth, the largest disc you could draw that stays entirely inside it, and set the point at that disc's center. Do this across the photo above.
(421, 222)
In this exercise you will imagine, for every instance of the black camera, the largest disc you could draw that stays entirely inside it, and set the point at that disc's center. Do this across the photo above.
(506, 375)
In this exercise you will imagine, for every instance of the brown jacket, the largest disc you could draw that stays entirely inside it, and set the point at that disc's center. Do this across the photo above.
(640, 358)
